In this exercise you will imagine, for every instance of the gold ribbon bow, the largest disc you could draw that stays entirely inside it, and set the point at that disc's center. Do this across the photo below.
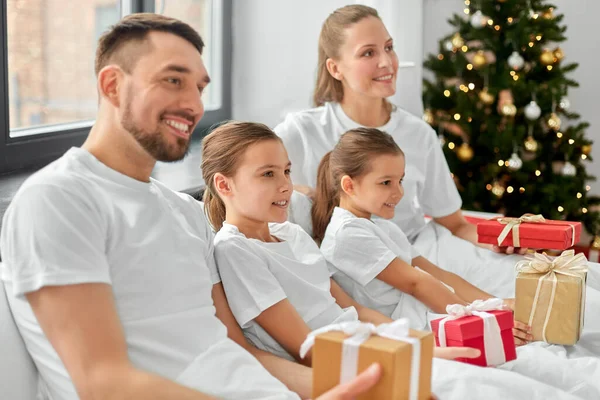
(513, 223)
(568, 263)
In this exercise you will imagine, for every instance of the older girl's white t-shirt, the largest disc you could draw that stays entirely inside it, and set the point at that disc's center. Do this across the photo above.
(428, 186)
(357, 250)
(257, 275)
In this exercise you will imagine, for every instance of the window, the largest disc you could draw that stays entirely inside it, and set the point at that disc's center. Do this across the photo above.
(51, 62)
(48, 97)
(200, 14)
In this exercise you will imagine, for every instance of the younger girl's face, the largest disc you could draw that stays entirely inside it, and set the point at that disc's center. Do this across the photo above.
(262, 187)
(368, 63)
(379, 191)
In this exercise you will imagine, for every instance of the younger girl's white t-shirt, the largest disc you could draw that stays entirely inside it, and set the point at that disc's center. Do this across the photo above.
(257, 275)
(357, 250)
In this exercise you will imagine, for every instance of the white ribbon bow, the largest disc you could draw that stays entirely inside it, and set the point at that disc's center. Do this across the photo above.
(359, 332)
(492, 338)
(568, 263)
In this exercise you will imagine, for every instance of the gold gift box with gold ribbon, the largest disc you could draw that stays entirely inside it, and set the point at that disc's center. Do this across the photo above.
(550, 296)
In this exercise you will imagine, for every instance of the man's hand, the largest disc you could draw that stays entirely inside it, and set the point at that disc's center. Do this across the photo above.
(509, 250)
(369, 377)
(359, 385)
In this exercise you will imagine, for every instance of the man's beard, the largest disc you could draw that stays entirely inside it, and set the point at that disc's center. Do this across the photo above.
(153, 142)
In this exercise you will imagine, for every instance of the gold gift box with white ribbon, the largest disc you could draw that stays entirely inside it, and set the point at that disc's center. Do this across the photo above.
(341, 351)
(550, 296)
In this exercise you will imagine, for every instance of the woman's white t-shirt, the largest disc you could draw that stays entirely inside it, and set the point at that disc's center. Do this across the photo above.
(257, 275)
(428, 186)
(357, 250)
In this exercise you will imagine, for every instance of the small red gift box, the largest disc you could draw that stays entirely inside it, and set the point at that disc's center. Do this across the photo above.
(468, 332)
(547, 234)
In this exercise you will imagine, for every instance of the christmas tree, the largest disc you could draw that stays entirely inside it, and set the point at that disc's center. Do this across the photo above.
(499, 105)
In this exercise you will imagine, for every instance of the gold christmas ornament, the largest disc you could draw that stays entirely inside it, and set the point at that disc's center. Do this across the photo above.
(596, 243)
(457, 40)
(479, 59)
(486, 97)
(428, 116)
(498, 189)
(547, 57)
(509, 110)
(554, 122)
(586, 149)
(464, 152)
(531, 144)
(548, 14)
(558, 54)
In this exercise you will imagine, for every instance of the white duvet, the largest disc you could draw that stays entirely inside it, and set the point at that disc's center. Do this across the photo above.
(541, 371)
(575, 369)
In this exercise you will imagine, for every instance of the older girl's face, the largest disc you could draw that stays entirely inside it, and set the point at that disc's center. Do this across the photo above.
(262, 187)
(367, 63)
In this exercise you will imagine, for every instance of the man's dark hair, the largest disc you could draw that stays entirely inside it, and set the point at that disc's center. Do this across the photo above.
(135, 28)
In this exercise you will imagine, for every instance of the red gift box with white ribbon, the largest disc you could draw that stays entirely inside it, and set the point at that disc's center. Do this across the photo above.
(483, 325)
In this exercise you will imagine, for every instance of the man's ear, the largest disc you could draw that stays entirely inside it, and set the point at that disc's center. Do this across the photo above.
(333, 69)
(110, 79)
(222, 184)
(347, 185)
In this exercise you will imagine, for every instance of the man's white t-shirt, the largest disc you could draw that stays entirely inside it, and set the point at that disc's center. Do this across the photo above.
(257, 275)
(357, 250)
(428, 186)
(78, 221)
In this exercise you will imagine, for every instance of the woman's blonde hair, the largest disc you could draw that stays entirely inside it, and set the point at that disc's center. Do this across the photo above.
(222, 151)
(331, 39)
(351, 156)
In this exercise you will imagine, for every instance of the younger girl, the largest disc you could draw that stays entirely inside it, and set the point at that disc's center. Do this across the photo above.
(373, 263)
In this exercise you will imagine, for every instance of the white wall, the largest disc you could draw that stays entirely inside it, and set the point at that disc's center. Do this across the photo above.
(275, 56)
(275, 53)
(582, 46)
